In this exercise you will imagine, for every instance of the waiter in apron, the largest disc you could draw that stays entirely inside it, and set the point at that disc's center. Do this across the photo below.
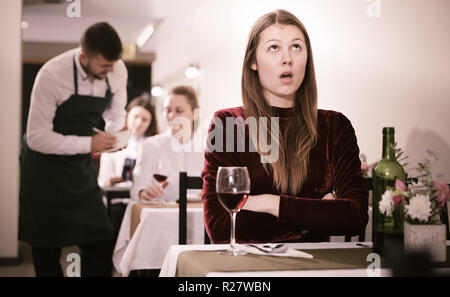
(60, 200)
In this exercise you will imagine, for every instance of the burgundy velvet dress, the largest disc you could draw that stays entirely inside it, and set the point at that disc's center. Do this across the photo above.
(334, 165)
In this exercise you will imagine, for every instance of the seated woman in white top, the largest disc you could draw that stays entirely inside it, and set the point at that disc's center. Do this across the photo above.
(116, 168)
(179, 149)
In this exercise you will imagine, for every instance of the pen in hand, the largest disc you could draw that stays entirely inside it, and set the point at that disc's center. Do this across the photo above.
(97, 130)
(101, 141)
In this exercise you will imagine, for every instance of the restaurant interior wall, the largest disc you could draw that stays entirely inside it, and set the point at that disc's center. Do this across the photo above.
(380, 66)
(10, 84)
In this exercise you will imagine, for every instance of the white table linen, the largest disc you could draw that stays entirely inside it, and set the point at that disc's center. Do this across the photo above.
(156, 232)
(169, 266)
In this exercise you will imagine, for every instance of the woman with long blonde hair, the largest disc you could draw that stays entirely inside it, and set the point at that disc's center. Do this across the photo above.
(314, 187)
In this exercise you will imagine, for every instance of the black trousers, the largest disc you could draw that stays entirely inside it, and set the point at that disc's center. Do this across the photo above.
(96, 260)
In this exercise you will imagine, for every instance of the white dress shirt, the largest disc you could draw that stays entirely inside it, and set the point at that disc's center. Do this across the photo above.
(54, 85)
(111, 164)
(188, 157)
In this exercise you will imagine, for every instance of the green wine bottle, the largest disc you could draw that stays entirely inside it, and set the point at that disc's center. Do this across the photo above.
(387, 232)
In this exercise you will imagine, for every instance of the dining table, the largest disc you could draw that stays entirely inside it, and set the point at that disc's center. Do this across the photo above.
(147, 232)
(324, 259)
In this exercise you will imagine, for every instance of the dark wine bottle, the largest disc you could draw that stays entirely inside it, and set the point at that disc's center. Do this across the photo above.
(387, 232)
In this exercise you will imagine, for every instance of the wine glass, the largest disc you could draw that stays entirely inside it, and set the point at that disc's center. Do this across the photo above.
(160, 174)
(232, 188)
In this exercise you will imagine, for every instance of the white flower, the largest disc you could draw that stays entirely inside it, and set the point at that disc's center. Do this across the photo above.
(419, 208)
(387, 203)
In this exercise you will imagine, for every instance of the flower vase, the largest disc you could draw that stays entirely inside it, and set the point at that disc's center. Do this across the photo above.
(430, 239)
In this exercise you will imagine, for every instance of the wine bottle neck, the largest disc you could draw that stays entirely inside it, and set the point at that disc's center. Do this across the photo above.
(388, 146)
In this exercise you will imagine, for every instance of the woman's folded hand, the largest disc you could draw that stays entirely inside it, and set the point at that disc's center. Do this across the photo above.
(267, 203)
(329, 196)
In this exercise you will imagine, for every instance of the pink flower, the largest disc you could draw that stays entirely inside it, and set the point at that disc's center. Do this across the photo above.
(399, 199)
(400, 185)
(365, 166)
(442, 192)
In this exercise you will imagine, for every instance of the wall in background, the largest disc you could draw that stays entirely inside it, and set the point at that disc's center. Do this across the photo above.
(10, 84)
(391, 69)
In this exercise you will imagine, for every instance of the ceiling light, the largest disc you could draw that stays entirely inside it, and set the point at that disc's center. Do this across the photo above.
(145, 35)
(24, 24)
(192, 71)
(157, 91)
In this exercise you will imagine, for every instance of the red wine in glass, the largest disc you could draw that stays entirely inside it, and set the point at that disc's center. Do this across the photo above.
(232, 188)
(160, 178)
(232, 202)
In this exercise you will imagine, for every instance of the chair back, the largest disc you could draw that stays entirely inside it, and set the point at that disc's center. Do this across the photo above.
(112, 193)
(187, 182)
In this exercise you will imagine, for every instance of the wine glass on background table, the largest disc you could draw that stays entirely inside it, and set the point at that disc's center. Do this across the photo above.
(161, 173)
(233, 188)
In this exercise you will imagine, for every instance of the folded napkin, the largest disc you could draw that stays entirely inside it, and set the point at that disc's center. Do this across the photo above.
(287, 252)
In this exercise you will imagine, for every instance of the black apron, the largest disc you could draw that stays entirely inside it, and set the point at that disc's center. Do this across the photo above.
(60, 200)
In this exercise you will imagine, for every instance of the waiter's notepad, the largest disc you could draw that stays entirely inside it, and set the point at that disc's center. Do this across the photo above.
(121, 141)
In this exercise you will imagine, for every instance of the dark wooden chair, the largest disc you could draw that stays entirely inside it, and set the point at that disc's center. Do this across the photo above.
(114, 193)
(116, 211)
(187, 182)
(445, 218)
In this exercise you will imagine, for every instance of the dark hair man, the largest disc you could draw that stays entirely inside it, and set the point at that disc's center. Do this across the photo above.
(60, 200)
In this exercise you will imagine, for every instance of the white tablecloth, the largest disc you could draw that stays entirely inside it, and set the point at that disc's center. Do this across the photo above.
(169, 266)
(156, 232)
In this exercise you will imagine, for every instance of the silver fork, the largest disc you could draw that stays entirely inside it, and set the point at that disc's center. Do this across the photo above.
(273, 249)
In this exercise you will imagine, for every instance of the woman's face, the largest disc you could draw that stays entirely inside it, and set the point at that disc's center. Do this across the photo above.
(138, 120)
(177, 107)
(281, 57)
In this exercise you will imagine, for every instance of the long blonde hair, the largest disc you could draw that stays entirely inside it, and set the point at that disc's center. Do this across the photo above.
(290, 169)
